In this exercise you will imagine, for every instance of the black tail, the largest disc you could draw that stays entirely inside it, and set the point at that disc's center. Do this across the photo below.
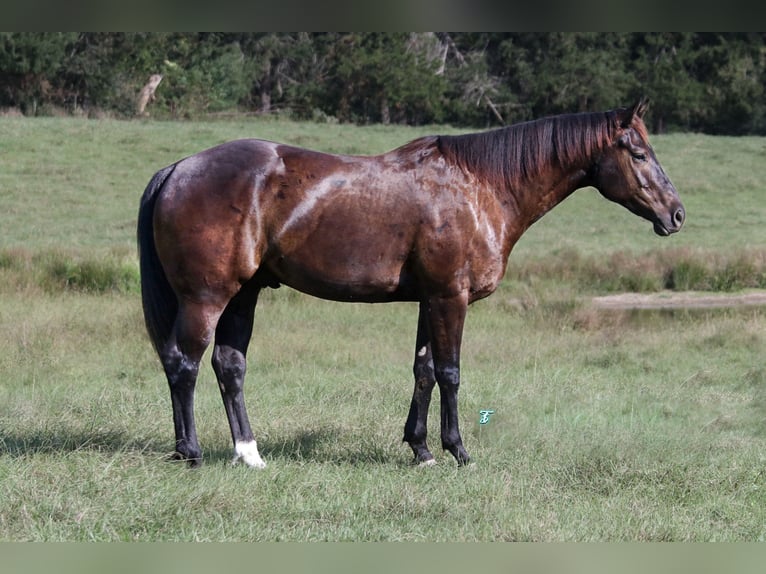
(159, 300)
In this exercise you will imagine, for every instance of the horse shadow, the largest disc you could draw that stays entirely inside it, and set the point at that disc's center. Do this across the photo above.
(319, 445)
(62, 440)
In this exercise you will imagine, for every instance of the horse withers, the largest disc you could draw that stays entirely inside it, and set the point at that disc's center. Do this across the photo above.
(433, 221)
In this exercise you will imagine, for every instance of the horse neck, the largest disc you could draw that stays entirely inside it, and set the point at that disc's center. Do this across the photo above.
(529, 200)
(532, 166)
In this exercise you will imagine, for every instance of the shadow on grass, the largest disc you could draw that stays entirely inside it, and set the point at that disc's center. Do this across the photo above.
(59, 441)
(322, 445)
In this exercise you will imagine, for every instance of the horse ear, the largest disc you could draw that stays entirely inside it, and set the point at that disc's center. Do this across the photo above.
(636, 111)
(639, 109)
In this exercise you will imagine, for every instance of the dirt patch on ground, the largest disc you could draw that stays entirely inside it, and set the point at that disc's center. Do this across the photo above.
(678, 300)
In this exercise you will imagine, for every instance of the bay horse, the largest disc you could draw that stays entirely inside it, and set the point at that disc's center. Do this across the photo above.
(433, 222)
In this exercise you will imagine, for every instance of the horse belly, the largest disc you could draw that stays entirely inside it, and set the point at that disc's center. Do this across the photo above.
(348, 260)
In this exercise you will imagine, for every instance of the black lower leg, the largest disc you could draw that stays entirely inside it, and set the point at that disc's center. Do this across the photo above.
(447, 316)
(232, 337)
(182, 375)
(230, 365)
(415, 429)
(449, 383)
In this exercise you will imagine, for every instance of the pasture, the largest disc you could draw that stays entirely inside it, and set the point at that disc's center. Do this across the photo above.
(608, 425)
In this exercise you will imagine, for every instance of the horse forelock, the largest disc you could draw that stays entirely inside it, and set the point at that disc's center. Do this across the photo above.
(512, 155)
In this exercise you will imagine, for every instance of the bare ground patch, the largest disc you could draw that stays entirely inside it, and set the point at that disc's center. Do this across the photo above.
(678, 300)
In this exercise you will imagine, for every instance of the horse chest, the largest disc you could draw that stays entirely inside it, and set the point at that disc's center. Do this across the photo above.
(464, 249)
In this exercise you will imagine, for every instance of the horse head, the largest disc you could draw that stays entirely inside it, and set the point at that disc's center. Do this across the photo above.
(628, 173)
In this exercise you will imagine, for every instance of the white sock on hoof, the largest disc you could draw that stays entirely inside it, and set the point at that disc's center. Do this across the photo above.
(248, 452)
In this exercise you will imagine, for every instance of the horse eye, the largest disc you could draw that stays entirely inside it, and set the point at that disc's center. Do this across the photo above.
(639, 156)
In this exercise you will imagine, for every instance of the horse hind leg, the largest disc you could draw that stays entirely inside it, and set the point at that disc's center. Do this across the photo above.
(180, 358)
(232, 337)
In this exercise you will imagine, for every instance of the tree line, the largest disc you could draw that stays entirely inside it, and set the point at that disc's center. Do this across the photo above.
(707, 82)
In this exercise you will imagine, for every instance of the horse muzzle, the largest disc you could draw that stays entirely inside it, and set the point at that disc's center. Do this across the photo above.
(672, 223)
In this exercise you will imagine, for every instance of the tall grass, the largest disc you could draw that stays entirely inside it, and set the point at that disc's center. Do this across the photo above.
(56, 271)
(681, 269)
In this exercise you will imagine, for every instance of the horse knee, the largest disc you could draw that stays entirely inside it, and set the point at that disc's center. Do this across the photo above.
(229, 366)
(181, 371)
(423, 366)
(448, 376)
(423, 372)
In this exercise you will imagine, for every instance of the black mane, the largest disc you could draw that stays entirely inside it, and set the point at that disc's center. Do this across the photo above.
(512, 155)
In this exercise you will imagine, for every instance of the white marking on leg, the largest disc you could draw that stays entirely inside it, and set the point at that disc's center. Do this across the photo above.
(248, 452)
(426, 463)
(422, 352)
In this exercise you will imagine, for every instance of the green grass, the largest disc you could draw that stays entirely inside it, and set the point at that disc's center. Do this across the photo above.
(629, 425)
(634, 427)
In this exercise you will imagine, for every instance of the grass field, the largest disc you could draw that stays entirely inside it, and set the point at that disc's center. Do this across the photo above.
(608, 425)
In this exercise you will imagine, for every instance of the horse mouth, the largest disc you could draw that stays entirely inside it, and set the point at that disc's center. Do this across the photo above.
(661, 230)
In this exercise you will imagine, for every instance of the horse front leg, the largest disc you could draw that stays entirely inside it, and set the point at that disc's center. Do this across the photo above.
(446, 319)
(232, 337)
(416, 427)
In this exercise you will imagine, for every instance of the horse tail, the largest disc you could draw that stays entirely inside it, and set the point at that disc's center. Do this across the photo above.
(157, 297)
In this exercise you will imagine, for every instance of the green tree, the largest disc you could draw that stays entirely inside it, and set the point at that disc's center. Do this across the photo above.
(203, 73)
(731, 69)
(565, 72)
(664, 63)
(29, 63)
(712, 82)
(382, 77)
(277, 65)
(476, 94)
(105, 70)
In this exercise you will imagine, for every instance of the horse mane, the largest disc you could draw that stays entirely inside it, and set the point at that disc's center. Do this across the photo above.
(515, 154)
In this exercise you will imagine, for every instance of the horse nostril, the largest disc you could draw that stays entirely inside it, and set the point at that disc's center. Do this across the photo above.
(679, 216)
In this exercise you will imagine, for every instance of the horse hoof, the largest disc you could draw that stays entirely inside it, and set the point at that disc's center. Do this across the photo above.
(425, 463)
(191, 462)
(247, 452)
